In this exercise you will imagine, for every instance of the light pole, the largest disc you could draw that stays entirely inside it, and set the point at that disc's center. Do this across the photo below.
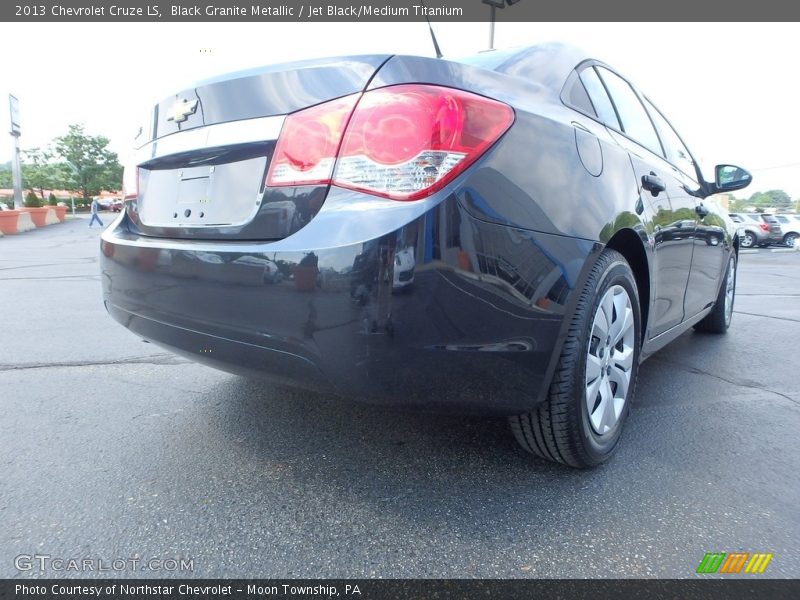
(16, 173)
(494, 5)
(77, 172)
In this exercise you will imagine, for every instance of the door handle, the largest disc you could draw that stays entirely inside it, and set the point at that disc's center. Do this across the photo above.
(701, 210)
(653, 183)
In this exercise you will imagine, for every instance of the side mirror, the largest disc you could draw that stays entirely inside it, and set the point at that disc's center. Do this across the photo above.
(728, 178)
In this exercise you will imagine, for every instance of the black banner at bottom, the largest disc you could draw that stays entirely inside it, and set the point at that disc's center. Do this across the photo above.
(399, 589)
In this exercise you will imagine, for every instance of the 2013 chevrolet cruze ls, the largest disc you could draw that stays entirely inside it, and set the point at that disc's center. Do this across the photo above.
(510, 233)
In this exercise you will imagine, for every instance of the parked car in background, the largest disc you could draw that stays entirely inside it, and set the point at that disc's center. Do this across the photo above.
(270, 273)
(757, 229)
(790, 225)
(104, 203)
(116, 205)
(550, 217)
(775, 231)
(404, 265)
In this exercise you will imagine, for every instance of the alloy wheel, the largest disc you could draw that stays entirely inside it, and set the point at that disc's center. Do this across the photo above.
(730, 290)
(609, 359)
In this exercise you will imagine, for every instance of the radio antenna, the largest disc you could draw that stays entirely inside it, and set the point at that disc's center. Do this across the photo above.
(430, 28)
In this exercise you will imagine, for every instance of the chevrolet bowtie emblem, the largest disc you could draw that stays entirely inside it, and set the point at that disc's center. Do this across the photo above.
(181, 110)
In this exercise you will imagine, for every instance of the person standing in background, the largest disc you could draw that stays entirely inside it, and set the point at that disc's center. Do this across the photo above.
(95, 207)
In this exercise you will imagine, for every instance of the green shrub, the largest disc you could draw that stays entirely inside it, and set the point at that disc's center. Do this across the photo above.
(32, 200)
(52, 200)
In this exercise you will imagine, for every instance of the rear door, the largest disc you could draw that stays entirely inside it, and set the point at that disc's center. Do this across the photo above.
(662, 191)
(709, 254)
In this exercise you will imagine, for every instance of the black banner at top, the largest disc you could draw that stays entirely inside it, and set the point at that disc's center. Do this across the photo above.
(394, 10)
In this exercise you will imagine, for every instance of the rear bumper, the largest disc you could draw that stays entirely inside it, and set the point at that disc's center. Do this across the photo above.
(474, 330)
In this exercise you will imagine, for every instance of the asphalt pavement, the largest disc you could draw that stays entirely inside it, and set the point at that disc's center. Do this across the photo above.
(111, 448)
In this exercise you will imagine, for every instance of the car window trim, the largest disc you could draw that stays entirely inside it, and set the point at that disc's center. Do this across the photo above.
(678, 135)
(591, 63)
(574, 79)
(575, 74)
(639, 98)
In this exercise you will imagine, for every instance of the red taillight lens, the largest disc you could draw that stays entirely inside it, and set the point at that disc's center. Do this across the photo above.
(402, 142)
(308, 143)
(764, 226)
(407, 141)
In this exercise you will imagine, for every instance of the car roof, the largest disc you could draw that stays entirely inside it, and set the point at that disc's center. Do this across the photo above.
(546, 64)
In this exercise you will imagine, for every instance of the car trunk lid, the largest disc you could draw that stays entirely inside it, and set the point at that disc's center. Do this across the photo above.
(202, 158)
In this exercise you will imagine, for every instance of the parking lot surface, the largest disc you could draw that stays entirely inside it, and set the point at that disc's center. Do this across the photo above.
(111, 448)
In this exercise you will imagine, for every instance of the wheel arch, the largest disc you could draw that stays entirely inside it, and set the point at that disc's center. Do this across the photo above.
(629, 243)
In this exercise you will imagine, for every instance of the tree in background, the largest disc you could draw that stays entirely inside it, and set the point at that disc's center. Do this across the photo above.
(39, 172)
(738, 205)
(771, 199)
(760, 201)
(92, 168)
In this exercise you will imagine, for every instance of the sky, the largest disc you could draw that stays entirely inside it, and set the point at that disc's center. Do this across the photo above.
(728, 88)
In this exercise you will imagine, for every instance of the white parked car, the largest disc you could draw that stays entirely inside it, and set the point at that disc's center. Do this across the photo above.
(790, 224)
(404, 265)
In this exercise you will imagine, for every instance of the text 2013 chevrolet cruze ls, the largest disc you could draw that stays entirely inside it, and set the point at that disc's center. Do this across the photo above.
(510, 233)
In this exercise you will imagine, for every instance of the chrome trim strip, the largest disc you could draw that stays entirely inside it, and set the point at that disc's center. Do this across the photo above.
(262, 129)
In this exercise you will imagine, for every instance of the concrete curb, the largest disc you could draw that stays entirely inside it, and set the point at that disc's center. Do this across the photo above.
(25, 222)
(776, 250)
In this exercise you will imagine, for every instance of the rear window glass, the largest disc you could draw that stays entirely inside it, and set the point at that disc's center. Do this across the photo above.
(635, 120)
(597, 92)
(577, 97)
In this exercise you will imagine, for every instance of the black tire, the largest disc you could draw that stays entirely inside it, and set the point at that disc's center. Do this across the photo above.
(719, 319)
(560, 429)
(748, 240)
(789, 239)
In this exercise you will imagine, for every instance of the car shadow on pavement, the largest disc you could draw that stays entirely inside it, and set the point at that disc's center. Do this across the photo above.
(415, 464)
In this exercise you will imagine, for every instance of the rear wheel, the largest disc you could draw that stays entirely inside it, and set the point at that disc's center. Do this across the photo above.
(790, 239)
(589, 398)
(719, 319)
(748, 240)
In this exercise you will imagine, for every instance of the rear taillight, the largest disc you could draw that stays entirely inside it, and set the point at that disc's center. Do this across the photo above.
(130, 182)
(402, 142)
(308, 143)
(764, 226)
(407, 141)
